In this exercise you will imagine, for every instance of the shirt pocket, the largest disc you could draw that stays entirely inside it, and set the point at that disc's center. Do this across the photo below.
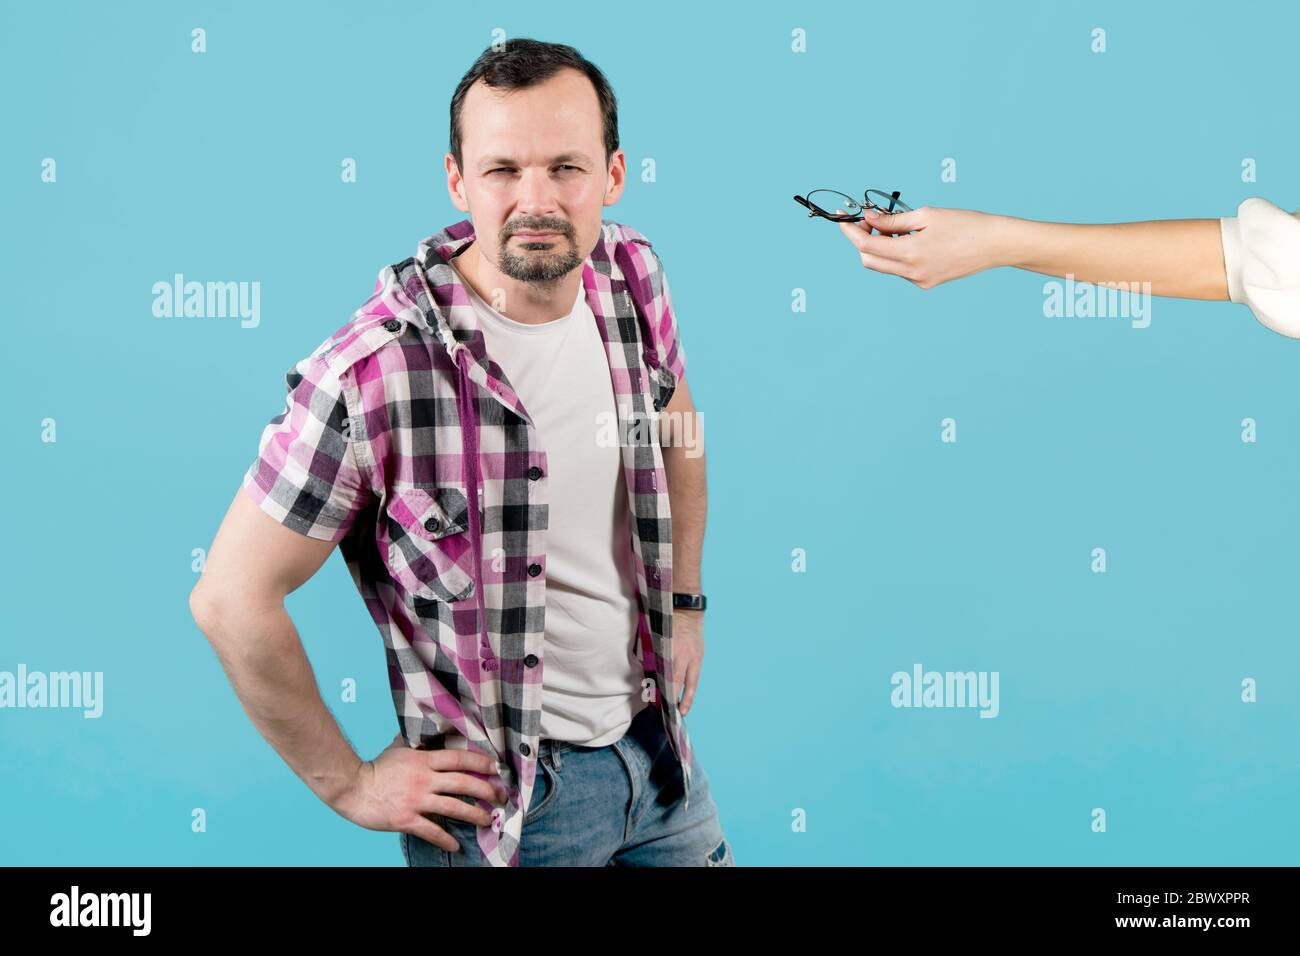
(429, 551)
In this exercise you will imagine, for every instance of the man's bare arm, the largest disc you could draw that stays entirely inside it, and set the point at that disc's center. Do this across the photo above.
(682, 437)
(683, 452)
(253, 564)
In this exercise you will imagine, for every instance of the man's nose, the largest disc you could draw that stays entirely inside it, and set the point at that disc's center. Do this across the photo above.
(535, 195)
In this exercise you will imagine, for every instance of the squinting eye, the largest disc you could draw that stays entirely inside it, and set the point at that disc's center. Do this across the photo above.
(566, 166)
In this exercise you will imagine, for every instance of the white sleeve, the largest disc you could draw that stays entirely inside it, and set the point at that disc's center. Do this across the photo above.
(1261, 254)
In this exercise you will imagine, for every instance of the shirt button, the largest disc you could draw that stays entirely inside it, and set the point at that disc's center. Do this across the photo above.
(530, 660)
(392, 325)
(525, 749)
(534, 570)
(431, 525)
(534, 473)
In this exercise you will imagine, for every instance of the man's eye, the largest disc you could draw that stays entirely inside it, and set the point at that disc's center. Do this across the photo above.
(506, 169)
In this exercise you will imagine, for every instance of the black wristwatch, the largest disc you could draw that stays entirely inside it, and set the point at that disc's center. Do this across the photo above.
(694, 602)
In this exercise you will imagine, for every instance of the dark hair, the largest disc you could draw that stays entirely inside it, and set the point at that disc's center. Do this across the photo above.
(521, 63)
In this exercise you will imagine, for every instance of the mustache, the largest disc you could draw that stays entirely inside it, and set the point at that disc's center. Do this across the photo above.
(537, 225)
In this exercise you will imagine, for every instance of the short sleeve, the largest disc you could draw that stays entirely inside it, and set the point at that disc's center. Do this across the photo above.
(306, 475)
(664, 318)
(1261, 257)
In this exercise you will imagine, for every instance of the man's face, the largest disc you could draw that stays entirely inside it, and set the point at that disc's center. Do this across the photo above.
(535, 180)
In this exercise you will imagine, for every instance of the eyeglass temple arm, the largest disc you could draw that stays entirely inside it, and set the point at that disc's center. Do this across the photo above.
(813, 209)
(893, 199)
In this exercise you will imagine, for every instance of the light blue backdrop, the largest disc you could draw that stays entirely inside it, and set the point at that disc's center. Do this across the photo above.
(1119, 690)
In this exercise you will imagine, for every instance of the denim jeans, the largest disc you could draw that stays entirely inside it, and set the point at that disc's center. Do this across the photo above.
(617, 805)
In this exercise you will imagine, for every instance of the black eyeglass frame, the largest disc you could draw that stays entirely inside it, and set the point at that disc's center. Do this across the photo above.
(894, 204)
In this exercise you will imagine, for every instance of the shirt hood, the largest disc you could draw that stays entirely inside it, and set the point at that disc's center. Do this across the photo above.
(617, 262)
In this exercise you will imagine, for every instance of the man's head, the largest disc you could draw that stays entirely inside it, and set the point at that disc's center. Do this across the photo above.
(534, 149)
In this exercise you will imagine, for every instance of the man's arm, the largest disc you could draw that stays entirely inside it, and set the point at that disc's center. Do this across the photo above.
(254, 562)
(683, 453)
(238, 603)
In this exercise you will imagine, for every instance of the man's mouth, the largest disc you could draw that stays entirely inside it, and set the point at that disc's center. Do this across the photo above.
(537, 235)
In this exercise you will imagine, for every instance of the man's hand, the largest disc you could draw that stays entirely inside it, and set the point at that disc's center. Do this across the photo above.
(396, 789)
(688, 653)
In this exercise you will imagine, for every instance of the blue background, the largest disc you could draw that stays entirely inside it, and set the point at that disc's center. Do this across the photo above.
(1118, 690)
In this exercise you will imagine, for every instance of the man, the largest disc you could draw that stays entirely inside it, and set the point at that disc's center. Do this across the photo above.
(475, 441)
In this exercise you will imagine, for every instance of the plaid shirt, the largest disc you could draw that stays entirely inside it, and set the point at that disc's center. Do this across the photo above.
(400, 419)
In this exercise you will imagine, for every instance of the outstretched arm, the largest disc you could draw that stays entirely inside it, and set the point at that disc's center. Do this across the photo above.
(930, 245)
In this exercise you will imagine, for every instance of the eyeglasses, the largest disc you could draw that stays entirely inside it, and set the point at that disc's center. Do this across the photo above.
(821, 202)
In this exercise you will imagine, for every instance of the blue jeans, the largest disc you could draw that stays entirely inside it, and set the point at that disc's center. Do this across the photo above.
(617, 805)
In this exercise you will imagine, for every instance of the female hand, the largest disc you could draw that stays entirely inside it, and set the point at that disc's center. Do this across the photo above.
(928, 245)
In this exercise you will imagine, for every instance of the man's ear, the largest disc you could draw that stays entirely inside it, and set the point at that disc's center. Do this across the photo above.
(455, 184)
(616, 178)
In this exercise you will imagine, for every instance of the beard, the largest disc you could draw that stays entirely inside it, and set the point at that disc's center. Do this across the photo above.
(544, 261)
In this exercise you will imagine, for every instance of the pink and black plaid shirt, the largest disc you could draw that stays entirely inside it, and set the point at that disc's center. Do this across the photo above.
(399, 420)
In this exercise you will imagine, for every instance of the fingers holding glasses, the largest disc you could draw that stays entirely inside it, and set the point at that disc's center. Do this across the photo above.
(884, 254)
(893, 224)
(860, 234)
(898, 248)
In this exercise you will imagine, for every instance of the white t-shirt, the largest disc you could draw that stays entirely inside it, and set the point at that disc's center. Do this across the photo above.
(591, 673)
(1261, 253)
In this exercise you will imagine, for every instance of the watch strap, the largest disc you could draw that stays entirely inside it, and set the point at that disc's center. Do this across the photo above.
(695, 602)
